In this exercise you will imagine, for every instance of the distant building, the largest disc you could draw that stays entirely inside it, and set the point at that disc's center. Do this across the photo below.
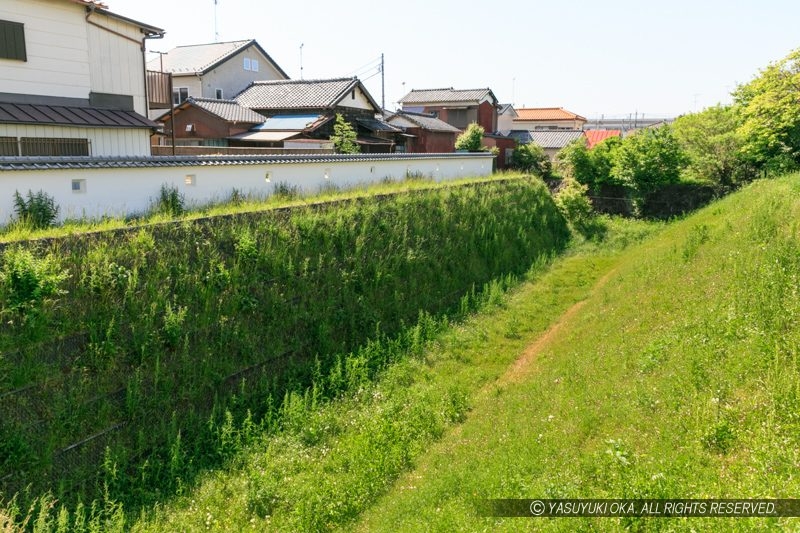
(547, 118)
(424, 133)
(216, 70)
(552, 141)
(626, 123)
(457, 107)
(594, 137)
(505, 118)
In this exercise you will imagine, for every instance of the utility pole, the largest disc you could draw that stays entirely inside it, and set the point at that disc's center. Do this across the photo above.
(301, 60)
(383, 87)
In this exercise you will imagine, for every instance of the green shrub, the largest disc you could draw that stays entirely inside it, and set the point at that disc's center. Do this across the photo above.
(472, 138)
(574, 204)
(170, 201)
(38, 211)
(27, 281)
(532, 158)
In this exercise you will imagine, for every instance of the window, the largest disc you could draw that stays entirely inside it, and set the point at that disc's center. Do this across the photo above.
(12, 41)
(247, 64)
(78, 186)
(353, 94)
(218, 94)
(8, 146)
(53, 146)
(254, 65)
(180, 95)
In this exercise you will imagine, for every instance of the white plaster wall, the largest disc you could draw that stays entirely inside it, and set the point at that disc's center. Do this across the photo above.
(124, 191)
(357, 101)
(56, 46)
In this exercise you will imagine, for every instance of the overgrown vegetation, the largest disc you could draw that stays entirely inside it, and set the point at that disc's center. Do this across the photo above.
(172, 335)
(532, 158)
(677, 378)
(38, 211)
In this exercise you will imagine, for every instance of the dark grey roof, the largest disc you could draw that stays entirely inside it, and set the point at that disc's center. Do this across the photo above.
(374, 124)
(421, 120)
(228, 110)
(554, 139)
(300, 94)
(200, 58)
(48, 163)
(71, 116)
(446, 95)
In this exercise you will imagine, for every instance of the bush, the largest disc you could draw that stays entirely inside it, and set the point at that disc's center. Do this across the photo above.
(344, 137)
(39, 211)
(575, 205)
(472, 138)
(532, 158)
(170, 201)
(27, 281)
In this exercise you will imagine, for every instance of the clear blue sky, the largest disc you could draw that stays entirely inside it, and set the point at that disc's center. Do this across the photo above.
(607, 57)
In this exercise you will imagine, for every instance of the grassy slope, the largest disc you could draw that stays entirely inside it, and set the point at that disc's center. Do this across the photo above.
(341, 457)
(678, 378)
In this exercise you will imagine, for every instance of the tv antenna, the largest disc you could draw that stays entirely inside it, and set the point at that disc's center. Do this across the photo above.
(301, 60)
(216, 26)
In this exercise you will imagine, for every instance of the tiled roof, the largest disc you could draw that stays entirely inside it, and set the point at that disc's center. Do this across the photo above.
(48, 163)
(200, 58)
(446, 95)
(547, 113)
(373, 124)
(41, 114)
(555, 139)
(506, 108)
(594, 137)
(420, 120)
(228, 110)
(299, 94)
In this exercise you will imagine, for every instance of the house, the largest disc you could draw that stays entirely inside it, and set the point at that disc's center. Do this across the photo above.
(215, 70)
(73, 80)
(552, 141)
(424, 133)
(209, 122)
(547, 118)
(505, 118)
(315, 103)
(594, 137)
(457, 107)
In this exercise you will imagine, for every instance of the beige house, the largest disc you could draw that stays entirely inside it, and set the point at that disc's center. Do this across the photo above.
(73, 80)
(217, 70)
(505, 118)
(547, 118)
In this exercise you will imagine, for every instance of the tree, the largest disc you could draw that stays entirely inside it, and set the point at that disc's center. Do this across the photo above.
(472, 138)
(532, 158)
(648, 159)
(344, 137)
(770, 107)
(589, 167)
(712, 145)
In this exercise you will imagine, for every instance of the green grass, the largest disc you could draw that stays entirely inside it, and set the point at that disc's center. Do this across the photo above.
(331, 464)
(679, 378)
(236, 204)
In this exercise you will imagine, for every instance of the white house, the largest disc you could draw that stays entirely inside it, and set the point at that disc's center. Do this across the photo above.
(72, 80)
(216, 70)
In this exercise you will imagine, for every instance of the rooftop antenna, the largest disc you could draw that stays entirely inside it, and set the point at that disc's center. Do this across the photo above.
(301, 60)
(216, 27)
(383, 86)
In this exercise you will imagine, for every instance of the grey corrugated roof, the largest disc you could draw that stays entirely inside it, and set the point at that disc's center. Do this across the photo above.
(374, 124)
(547, 139)
(228, 110)
(71, 116)
(200, 58)
(446, 95)
(299, 94)
(48, 163)
(427, 122)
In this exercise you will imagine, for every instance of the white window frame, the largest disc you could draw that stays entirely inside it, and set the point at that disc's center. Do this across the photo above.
(254, 65)
(177, 91)
(246, 63)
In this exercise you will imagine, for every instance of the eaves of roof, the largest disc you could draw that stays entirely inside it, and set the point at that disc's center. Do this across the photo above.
(63, 163)
(59, 115)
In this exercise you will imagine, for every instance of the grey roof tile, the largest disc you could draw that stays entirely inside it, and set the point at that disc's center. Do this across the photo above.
(427, 122)
(297, 94)
(547, 139)
(228, 110)
(425, 96)
(200, 58)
